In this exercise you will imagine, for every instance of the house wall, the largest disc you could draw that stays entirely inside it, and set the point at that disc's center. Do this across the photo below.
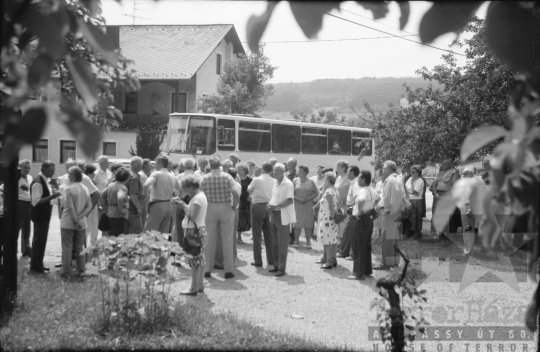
(155, 97)
(207, 78)
(55, 132)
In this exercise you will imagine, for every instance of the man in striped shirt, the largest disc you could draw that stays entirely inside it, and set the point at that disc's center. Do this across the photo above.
(218, 187)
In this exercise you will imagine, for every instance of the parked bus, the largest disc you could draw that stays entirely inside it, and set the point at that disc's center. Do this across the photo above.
(259, 139)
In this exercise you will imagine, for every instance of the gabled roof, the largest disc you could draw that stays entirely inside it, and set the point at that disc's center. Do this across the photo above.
(172, 52)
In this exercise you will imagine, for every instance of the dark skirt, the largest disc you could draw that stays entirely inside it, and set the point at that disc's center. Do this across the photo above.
(119, 226)
(244, 216)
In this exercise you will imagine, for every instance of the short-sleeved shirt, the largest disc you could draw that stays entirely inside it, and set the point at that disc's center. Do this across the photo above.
(200, 200)
(342, 186)
(261, 189)
(283, 191)
(369, 196)
(81, 199)
(24, 188)
(164, 186)
(354, 189)
(218, 186)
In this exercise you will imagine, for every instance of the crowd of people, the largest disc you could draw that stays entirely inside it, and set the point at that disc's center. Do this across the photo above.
(209, 205)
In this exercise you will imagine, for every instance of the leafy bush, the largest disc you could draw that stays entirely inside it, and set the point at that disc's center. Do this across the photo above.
(135, 282)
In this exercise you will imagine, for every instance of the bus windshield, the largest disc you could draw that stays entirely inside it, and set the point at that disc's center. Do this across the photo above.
(191, 135)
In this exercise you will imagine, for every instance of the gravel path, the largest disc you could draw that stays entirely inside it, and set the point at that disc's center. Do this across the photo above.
(322, 305)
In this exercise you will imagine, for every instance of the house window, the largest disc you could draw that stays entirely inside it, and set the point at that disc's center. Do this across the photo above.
(109, 148)
(41, 150)
(131, 102)
(67, 150)
(218, 64)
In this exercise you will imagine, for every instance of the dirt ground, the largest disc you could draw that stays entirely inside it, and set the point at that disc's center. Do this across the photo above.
(324, 306)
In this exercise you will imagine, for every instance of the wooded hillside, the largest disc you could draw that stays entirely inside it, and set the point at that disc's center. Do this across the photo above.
(340, 93)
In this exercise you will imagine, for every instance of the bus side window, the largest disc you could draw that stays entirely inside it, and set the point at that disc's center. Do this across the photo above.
(285, 138)
(226, 135)
(339, 142)
(314, 140)
(361, 141)
(254, 137)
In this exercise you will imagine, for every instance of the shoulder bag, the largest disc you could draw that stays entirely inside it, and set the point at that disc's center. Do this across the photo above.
(339, 217)
(193, 245)
(372, 212)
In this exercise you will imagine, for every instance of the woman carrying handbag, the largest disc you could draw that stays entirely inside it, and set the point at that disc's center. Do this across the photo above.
(194, 232)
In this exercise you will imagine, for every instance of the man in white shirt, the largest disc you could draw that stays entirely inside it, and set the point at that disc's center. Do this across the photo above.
(282, 214)
(24, 207)
(43, 197)
(260, 190)
(391, 207)
(103, 175)
(350, 228)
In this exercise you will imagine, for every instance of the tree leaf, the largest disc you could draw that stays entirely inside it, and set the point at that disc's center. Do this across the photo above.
(98, 41)
(48, 28)
(479, 138)
(85, 132)
(405, 10)
(309, 15)
(513, 34)
(256, 26)
(446, 16)
(31, 125)
(93, 6)
(84, 79)
(40, 70)
(379, 9)
(445, 207)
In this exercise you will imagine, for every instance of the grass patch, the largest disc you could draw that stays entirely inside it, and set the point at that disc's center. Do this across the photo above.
(51, 313)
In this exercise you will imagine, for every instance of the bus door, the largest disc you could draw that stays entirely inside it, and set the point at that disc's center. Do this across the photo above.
(226, 134)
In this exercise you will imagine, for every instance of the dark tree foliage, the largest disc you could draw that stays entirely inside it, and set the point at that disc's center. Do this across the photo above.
(57, 53)
(147, 145)
(436, 121)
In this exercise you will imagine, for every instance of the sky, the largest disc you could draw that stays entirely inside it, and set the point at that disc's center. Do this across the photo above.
(302, 60)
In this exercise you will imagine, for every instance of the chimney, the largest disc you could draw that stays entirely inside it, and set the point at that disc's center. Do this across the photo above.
(113, 33)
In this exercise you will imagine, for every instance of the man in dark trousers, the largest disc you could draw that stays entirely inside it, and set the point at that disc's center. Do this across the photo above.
(42, 202)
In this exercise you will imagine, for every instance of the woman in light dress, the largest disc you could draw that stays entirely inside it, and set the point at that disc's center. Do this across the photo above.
(328, 228)
(305, 191)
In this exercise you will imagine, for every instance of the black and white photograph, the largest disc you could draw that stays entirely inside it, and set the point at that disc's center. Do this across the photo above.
(270, 175)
